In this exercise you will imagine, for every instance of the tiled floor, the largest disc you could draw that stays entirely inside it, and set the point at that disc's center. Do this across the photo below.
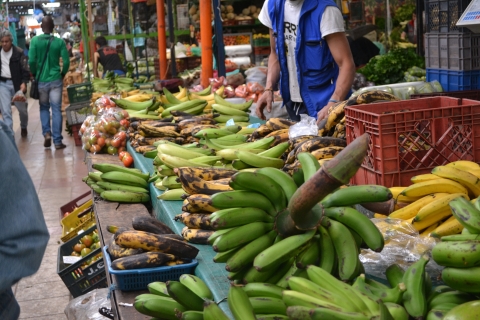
(57, 177)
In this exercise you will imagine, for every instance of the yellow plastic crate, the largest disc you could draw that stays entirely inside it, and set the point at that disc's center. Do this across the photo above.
(80, 219)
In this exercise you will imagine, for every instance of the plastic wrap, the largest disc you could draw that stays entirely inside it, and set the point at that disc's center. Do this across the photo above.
(403, 246)
(306, 126)
(19, 96)
(106, 131)
(86, 307)
(256, 74)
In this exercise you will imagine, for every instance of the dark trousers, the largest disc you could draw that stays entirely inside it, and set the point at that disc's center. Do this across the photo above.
(295, 109)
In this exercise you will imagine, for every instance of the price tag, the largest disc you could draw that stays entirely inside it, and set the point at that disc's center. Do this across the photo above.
(230, 122)
(80, 232)
(71, 259)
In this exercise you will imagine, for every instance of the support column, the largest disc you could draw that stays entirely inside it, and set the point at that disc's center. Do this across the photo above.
(206, 41)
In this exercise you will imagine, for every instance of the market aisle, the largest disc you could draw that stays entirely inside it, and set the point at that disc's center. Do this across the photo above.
(57, 176)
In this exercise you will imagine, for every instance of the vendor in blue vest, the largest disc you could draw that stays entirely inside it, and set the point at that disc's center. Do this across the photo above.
(108, 58)
(313, 65)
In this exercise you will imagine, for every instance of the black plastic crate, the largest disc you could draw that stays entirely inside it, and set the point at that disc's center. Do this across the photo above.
(75, 278)
(78, 112)
(452, 51)
(79, 92)
(442, 15)
(99, 281)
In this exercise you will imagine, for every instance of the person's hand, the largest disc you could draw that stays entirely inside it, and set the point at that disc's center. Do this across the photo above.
(23, 87)
(323, 113)
(265, 101)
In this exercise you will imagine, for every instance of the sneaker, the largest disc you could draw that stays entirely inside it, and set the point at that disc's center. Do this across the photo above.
(24, 132)
(60, 146)
(48, 140)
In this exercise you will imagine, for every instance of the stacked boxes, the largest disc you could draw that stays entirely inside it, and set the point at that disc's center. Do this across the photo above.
(452, 54)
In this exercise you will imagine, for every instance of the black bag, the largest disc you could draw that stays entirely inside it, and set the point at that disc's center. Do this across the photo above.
(34, 94)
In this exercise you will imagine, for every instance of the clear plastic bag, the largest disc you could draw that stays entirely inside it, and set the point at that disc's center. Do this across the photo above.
(256, 74)
(306, 126)
(19, 96)
(403, 246)
(86, 307)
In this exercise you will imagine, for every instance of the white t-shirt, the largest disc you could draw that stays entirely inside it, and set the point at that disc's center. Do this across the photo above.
(332, 22)
(6, 63)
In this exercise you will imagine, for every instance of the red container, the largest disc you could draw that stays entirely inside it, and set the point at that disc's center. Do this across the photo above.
(76, 134)
(411, 137)
(75, 203)
(465, 94)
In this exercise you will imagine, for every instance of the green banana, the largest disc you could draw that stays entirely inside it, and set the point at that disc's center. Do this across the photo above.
(170, 182)
(438, 290)
(325, 313)
(469, 310)
(239, 304)
(172, 195)
(158, 288)
(221, 257)
(159, 185)
(327, 251)
(132, 105)
(190, 315)
(232, 137)
(457, 254)
(224, 118)
(394, 274)
(283, 280)
(397, 311)
(177, 162)
(310, 255)
(357, 221)
(246, 131)
(95, 176)
(212, 133)
(211, 311)
(466, 213)
(309, 164)
(108, 167)
(178, 151)
(295, 298)
(253, 275)
(384, 312)
(435, 314)
(356, 195)
(414, 299)
(268, 305)
(184, 296)
(217, 234)
(231, 154)
(298, 176)
(95, 187)
(183, 106)
(158, 307)
(241, 235)
(251, 181)
(345, 248)
(462, 279)
(240, 198)
(124, 178)
(282, 179)
(238, 276)
(276, 151)
(205, 92)
(228, 111)
(208, 160)
(460, 237)
(335, 286)
(299, 312)
(259, 161)
(240, 106)
(170, 97)
(271, 317)
(281, 251)
(125, 196)
(245, 256)
(240, 165)
(376, 284)
(456, 297)
(234, 217)
(392, 295)
(259, 289)
(196, 285)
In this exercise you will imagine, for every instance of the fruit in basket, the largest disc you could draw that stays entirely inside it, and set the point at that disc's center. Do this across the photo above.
(142, 260)
(87, 240)
(79, 247)
(150, 224)
(85, 251)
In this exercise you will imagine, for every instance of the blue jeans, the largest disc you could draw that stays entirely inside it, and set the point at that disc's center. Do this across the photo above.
(6, 94)
(51, 96)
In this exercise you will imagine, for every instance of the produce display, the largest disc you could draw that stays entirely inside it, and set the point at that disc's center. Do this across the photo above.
(85, 246)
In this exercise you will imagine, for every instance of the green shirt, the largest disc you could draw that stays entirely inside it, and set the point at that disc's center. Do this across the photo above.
(36, 54)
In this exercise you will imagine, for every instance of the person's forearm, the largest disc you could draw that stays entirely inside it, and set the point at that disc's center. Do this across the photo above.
(273, 71)
(344, 82)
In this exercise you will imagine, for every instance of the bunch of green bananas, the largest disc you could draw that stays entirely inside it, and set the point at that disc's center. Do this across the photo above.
(183, 299)
(119, 184)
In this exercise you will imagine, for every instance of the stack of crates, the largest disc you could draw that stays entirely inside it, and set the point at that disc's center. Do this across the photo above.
(452, 54)
(79, 96)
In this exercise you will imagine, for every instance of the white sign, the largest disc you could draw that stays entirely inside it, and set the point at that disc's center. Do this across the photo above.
(71, 259)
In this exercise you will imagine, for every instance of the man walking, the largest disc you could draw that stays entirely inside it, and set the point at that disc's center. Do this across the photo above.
(50, 81)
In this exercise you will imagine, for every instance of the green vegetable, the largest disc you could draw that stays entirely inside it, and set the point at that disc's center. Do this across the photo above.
(390, 68)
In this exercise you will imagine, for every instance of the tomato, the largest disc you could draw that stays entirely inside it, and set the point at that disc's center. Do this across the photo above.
(120, 150)
(124, 143)
(121, 154)
(116, 142)
(95, 148)
(79, 247)
(121, 135)
(112, 150)
(87, 240)
(85, 251)
(108, 142)
(112, 130)
(101, 141)
(87, 146)
(125, 123)
(127, 160)
(125, 114)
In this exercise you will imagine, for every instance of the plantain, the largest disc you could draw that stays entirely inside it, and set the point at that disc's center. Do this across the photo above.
(326, 153)
(375, 95)
(194, 185)
(194, 122)
(260, 132)
(142, 260)
(205, 173)
(196, 128)
(200, 203)
(275, 124)
(336, 114)
(197, 236)
(195, 220)
(117, 251)
(150, 224)
(314, 144)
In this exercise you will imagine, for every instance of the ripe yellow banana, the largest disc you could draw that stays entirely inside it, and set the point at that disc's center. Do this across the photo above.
(464, 165)
(468, 180)
(426, 232)
(438, 185)
(451, 226)
(438, 216)
(412, 209)
(399, 198)
(424, 177)
(436, 206)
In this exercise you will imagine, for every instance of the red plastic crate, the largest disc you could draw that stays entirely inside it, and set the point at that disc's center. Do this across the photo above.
(412, 137)
(75, 203)
(76, 134)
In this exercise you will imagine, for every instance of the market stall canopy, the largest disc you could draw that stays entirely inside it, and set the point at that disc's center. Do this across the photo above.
(360, 31)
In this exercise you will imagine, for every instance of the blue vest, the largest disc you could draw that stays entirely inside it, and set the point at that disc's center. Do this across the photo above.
(317, 71)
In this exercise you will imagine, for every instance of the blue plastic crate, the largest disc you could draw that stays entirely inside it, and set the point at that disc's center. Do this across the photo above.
(138, 279)
(452, 80)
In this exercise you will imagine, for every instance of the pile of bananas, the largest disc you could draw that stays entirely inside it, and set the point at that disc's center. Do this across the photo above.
(119, 184)
(117, 84)
(274, 127)
(150, 244)
(432, 198)
(334, 124)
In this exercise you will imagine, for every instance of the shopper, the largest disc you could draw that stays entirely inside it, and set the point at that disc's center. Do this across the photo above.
(23, 232)
(410, 30)
(14, 76)
(108, 58)
(320, 70)
(50, 83)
